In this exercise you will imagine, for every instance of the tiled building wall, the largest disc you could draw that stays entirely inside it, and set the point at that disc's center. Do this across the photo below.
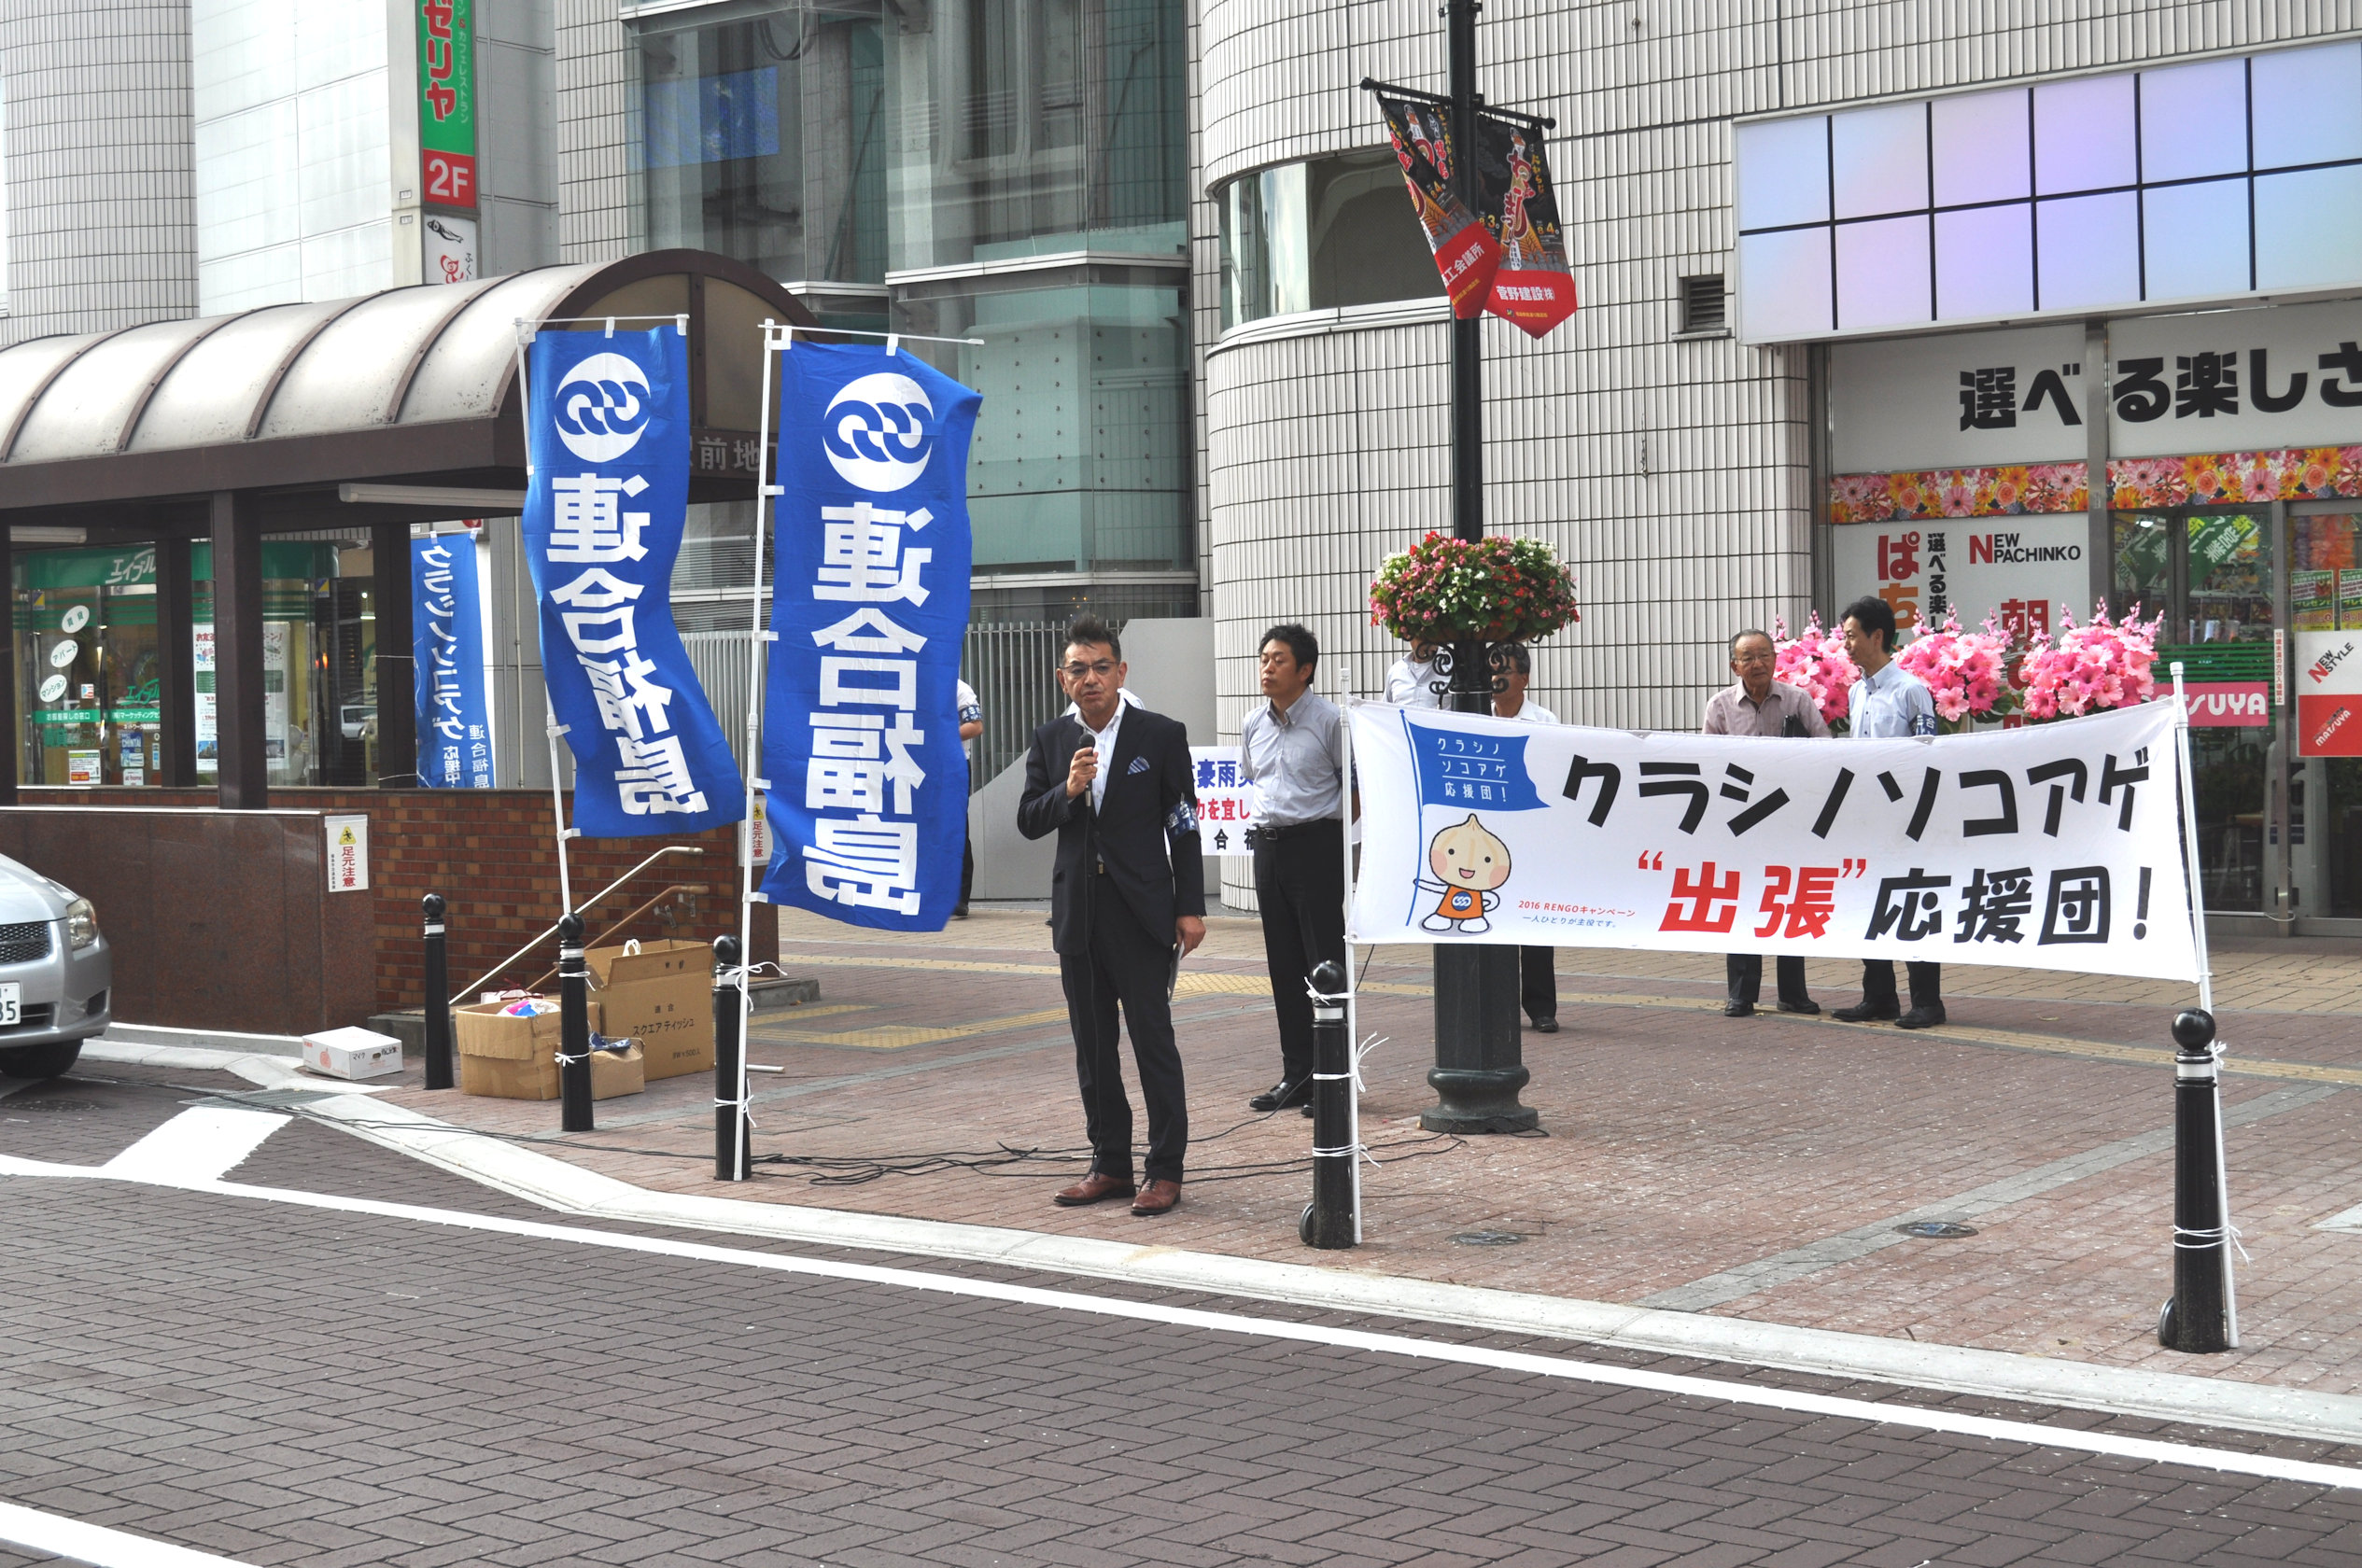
(101, 222)
(597, 77)
(1675, 475)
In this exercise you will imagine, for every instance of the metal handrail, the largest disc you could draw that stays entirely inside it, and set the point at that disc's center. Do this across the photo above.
(544, 936)
(551, 973)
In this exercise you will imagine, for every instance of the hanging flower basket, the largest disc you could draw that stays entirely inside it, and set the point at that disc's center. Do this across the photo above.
(2090, 669)
(1497, 589)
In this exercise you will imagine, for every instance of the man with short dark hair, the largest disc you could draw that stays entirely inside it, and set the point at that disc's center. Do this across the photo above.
(1761, 706)
(1291, 750)
(1536, 966)
(1127, 900)
(1887, 702)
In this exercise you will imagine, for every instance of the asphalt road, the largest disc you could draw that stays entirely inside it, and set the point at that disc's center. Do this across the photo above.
(275, 1382)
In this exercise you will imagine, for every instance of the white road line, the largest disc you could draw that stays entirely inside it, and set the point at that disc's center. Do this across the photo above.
(196, 1146)
(95, 1544)
(1949, 1423)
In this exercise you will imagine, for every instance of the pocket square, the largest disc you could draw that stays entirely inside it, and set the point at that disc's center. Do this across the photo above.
(1139, 764)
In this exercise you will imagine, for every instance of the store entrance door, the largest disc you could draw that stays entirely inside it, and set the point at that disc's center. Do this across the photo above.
(2324, 595)
(2212, 573)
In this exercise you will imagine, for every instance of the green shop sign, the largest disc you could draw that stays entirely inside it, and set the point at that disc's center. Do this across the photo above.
(65, 718)
(447, 101)
(283, 560)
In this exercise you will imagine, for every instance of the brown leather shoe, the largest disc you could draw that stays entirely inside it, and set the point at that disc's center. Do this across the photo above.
(1158, 1197)
(1091, 1189)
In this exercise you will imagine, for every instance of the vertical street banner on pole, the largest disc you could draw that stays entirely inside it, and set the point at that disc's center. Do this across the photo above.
(867, 782)
(1532, 287)
(1465, 252)
(608, 433)
(455, 732)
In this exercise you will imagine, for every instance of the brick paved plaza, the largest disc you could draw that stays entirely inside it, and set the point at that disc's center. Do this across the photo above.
(1754, 1167)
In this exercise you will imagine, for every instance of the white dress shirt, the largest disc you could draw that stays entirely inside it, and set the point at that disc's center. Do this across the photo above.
(1410, 683)
(1104, 741)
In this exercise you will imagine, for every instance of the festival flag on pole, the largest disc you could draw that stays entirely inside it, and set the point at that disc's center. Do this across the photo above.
(1534, 286)
(1466, 251)
(608, 431)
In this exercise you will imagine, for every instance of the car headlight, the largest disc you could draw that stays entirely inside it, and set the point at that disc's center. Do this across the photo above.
(81, 923)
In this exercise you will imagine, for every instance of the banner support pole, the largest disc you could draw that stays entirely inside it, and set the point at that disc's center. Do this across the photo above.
(2201, 1316)
(1352, 987)
(525, 330)
(734, 1157)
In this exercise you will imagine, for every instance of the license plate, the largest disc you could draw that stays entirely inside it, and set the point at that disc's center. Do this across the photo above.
(12, 1004)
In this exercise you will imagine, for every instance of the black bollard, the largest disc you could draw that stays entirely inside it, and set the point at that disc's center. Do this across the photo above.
(574, 1029)
(1333, 1219)
(438, 996)
(2197, 1316)
(732, 1127)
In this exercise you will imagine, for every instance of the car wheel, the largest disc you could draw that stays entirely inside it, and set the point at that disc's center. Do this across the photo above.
(40, 1061)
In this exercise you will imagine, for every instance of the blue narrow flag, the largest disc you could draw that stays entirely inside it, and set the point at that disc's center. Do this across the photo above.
(1480, 772)
(608, 435)
(455, 727)
(861, 735)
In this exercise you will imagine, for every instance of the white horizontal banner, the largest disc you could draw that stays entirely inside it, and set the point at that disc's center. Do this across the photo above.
(2052, 847)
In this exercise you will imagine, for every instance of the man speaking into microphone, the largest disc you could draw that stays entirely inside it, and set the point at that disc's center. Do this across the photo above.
(1113, 781)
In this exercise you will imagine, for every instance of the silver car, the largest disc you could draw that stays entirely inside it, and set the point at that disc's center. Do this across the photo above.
(55, 972)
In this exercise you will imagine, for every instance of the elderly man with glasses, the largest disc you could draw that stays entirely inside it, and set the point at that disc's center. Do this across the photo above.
(1758, 705)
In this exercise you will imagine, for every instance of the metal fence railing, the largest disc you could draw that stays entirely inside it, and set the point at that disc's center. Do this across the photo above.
(1010, 665)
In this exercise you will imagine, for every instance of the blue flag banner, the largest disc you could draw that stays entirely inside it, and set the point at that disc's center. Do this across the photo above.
(455, 728)
(608, 435)
(1474, 771)
(861, 735)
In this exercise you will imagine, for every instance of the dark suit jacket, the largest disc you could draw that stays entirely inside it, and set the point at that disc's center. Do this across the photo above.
(1146, 828)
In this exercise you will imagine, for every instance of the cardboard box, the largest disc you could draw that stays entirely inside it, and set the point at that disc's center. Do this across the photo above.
(511, 1058)
(352, 1053)
(661, 994)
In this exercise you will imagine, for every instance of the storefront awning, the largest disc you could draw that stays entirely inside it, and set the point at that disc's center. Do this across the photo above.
(114, 432)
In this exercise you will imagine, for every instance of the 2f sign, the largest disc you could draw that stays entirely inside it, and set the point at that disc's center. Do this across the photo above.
(451, 180)
(347, 854)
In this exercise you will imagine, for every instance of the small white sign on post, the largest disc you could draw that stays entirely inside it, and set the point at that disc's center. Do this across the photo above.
(347, 854)
(755, 834)
(1226, 803)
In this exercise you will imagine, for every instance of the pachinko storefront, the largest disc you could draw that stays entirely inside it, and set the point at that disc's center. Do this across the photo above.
(2229, 465)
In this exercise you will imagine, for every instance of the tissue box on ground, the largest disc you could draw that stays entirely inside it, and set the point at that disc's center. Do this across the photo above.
(352, 1053)
(511, 1056)
(661, 994)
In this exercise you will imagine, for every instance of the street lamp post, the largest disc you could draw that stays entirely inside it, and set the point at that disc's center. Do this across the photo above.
(1479, 1067)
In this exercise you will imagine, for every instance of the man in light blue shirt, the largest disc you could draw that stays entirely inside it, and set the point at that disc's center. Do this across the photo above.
(1888, 701)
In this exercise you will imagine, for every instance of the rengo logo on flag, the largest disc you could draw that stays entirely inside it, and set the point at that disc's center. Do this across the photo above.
(608, 432)
(868, 792)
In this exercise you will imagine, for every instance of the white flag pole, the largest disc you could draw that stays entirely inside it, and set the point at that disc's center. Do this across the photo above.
(1353, 989)
(774, 340)
(525, 331)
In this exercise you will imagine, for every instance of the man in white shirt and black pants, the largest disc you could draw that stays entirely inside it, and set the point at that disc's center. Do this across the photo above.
(1289, 749)
(1536, 966)
(1888, 700)
(971, 726)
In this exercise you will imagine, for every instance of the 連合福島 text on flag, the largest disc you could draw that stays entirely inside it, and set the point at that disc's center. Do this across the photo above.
(455, 726)
(868, 784)
(608, 435)
(2052, 847)
(1466, 251)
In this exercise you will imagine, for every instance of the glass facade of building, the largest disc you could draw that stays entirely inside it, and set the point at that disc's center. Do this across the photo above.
(1321, 235)
(1013, 171)
(89, 678)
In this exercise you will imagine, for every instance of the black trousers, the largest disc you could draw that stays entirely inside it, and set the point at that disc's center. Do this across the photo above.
(1299, 883)
(1127, 966)
(1877, 983)
(1538, 981)
(967, 867)
(1745, 973)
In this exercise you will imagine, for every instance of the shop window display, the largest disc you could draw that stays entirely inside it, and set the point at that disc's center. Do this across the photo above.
(90, 668)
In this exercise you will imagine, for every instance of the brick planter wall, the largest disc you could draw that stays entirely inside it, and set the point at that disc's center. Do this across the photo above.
(489, 853)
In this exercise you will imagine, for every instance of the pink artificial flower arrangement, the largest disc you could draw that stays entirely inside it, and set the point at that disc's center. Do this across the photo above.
(1961, 670)
(2090, 669)
(1814, 660)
